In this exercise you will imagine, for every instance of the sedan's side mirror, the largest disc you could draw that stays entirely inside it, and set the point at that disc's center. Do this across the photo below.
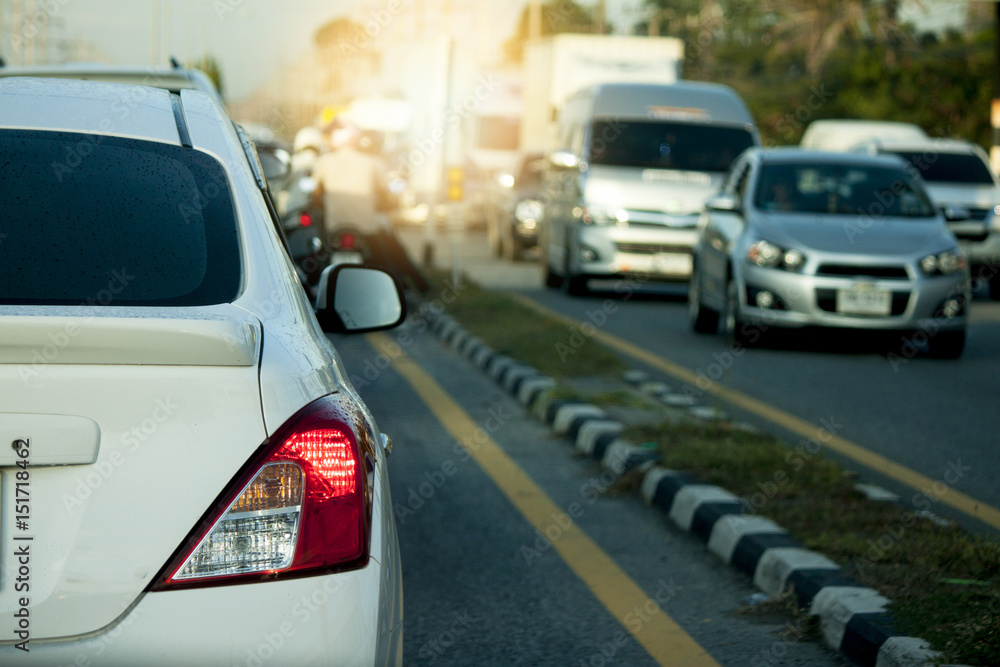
(357, 299)
(723, 202)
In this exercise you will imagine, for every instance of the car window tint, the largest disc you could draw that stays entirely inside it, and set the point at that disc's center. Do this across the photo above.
(840, 190)
(93, 219)
(667, 145)
(949, 167)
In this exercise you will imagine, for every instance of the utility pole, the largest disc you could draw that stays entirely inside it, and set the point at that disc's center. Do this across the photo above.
(599, 15)
(154, 33)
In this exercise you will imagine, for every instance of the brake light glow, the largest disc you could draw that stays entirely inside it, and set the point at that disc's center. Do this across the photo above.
(305, 220)
(302, 505)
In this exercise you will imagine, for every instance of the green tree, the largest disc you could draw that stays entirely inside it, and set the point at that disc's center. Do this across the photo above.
(558, 16)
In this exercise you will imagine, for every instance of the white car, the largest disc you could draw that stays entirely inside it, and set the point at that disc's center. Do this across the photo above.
(187, 476)
(959, 179)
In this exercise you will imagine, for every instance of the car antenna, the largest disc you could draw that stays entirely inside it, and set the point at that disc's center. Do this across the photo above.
(174, 63)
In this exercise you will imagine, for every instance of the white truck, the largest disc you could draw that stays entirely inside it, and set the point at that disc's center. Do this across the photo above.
(556, 67)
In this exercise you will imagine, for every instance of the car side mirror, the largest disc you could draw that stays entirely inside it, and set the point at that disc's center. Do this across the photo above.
(723, 202)
(357, 299)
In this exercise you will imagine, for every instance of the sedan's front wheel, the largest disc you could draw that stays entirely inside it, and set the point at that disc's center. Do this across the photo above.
(702, 319)
(737, 332)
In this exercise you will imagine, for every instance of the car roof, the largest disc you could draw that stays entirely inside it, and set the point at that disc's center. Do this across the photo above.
(793, 155)
(931, 145)
(173, 79)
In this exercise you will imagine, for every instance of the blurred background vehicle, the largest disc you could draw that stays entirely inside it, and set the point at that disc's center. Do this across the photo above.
(959, 179)
(515, 208)
(800, 238)
(636, 165)
(843, 134)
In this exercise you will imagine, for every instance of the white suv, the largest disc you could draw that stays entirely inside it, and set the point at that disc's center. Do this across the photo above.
(959, 180)
(187, 476)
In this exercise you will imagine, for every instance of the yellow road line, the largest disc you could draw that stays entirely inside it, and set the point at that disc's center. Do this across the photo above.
(663, 639)
(933, 488)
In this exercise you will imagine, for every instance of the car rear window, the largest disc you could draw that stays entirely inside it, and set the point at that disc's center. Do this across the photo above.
(949, 167)
(667, 145)
(98, 220)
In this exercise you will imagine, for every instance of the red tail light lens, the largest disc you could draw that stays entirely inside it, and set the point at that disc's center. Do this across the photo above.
(347, 242)
(303, 504)
(305, 220)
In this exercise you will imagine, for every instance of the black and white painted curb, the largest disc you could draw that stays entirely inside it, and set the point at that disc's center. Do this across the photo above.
(852, 618)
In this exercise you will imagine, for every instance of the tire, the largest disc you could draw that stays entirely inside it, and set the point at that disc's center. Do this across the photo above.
(994, 284)
(735, 329)
(947, 344)
(573, 284)
(703, 320)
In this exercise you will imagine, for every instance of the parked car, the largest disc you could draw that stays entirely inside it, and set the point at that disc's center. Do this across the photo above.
(637, 163)
(959, 179)
(201, 484)
(515, 208)
(834, 134)
(807, 238)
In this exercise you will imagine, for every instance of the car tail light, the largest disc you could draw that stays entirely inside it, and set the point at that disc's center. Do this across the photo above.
(302, 505)
(347, 242)
(305, 220)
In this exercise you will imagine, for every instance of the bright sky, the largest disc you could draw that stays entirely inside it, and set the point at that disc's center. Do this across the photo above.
(253, 38)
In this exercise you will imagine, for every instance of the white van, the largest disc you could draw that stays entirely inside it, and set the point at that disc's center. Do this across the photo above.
(844, 134)
(635, 166)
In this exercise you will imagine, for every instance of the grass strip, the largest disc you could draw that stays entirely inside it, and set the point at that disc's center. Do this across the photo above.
(520, 333)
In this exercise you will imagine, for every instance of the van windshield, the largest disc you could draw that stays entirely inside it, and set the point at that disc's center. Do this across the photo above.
(666, 145)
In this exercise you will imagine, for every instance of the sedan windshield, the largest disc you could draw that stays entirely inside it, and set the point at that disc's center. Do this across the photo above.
(841, 190)
(667, 145)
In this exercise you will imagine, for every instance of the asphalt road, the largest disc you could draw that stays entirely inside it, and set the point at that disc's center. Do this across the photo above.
(482, 586)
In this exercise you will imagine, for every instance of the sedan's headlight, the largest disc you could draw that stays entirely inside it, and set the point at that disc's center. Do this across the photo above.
(603, 215)
(768, 255)
(528, 210)
(943, 263)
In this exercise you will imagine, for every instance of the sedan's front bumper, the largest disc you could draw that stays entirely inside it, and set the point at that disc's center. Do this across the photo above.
(913, 303)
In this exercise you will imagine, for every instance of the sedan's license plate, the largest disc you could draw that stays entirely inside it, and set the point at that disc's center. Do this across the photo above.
(864, 301)
(672, 263)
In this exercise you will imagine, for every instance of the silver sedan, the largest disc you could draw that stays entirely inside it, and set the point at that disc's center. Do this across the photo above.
(803, 238)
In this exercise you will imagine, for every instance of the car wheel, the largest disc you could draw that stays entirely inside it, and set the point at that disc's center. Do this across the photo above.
(994, 284)
(574, 284)
(702, 319)
(947, 344)
(736, 330)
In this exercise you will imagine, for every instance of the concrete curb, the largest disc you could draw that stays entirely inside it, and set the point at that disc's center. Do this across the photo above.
(852, 618)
